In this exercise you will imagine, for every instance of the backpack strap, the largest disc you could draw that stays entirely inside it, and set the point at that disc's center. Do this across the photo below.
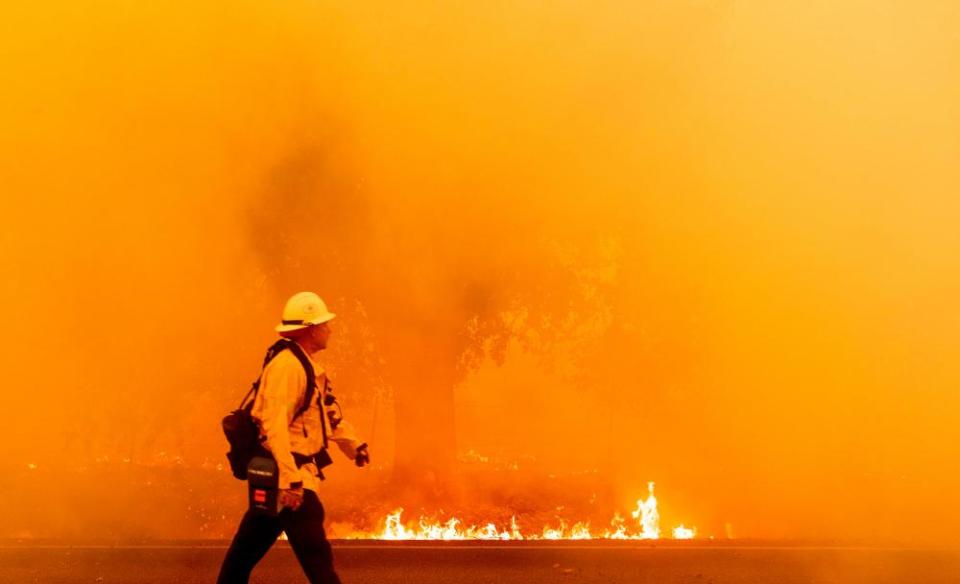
(311, 377)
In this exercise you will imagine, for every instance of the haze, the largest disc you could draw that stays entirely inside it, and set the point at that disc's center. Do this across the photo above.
(711, 244)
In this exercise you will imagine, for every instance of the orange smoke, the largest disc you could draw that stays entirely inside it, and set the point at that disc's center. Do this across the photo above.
(708, 243)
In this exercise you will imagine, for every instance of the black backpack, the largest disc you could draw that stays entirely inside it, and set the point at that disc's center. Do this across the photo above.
(238, 426)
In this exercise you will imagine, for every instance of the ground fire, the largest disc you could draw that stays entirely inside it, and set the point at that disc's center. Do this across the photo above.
(646, 525)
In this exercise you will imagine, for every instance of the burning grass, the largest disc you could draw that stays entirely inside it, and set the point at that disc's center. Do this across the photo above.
(645, 525)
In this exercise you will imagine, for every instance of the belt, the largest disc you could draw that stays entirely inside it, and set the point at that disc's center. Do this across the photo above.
(321, 459)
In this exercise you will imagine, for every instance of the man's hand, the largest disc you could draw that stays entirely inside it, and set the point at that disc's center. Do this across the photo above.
(291, 498)
(363, 456)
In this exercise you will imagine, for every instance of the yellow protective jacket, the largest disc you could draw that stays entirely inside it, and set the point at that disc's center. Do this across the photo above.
(283, 387)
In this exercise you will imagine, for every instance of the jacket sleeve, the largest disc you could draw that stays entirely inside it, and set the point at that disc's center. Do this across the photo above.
(346, 438)
(277, 397)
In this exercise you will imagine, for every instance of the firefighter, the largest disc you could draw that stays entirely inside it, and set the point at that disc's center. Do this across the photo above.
(297, 443)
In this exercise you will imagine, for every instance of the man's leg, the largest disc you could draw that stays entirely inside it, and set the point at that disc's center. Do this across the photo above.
(254, 537)
(304, 529)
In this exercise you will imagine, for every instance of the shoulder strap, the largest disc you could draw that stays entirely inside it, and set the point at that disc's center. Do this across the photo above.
(311, 377)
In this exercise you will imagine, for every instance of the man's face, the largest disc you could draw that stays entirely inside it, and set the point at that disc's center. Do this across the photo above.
(321, 334)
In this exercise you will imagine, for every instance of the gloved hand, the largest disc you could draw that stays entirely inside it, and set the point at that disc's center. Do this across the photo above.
(291, 498)
(363, 456)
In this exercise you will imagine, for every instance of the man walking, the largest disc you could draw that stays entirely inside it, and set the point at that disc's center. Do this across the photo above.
(295, 433)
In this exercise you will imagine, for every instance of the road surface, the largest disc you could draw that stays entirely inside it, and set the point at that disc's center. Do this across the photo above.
(492, 563)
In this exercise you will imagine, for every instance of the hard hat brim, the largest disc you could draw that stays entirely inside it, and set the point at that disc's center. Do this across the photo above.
(287, 328)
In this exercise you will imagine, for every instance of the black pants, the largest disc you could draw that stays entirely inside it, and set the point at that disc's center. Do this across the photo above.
(304, 528)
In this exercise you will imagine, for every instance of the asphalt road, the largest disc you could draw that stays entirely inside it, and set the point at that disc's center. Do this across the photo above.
(486, 563)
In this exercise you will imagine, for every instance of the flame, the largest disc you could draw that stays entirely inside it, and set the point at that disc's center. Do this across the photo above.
(580, 531)
(394, 529)
(450, 530)
(549, 533)
(681, 532)
(620, 528)
(648, 515)
(647, 526)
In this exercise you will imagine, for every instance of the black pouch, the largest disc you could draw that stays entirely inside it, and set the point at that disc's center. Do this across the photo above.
(263, 479)
(322, 459)
(242, 434)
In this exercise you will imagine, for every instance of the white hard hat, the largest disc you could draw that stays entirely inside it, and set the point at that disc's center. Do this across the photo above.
(302, 310)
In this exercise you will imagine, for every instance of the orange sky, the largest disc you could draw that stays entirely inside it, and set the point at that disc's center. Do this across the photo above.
(714, 245)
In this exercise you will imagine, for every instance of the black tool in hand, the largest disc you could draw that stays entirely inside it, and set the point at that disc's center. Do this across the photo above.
(363, 456)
